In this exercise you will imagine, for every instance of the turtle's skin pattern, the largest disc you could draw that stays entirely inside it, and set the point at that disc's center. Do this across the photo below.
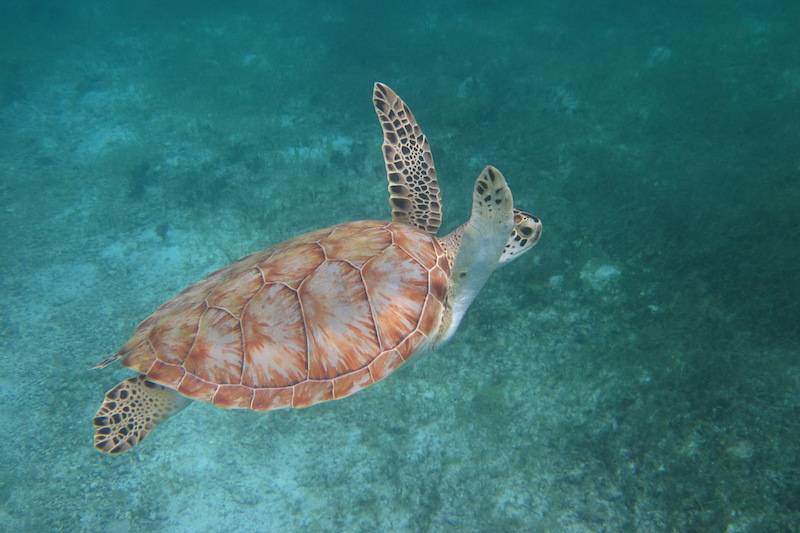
(315, 318)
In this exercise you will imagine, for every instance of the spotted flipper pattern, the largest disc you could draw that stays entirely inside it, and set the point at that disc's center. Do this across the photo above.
(413, 189)
(130, 411)
(492, 203)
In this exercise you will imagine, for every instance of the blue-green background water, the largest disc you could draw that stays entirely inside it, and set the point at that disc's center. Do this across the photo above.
(639, 370)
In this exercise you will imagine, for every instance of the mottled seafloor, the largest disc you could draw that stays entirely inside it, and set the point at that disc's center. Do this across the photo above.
(639, 370)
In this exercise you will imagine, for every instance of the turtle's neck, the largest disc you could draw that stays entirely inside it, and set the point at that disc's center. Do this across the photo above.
(474, 257)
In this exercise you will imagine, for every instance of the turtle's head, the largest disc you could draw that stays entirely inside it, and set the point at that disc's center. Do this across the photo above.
(524, 236)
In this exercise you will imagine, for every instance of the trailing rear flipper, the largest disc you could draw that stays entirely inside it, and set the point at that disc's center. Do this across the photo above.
(130, 411)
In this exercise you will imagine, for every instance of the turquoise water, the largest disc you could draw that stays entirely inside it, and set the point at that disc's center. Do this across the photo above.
(639, 370)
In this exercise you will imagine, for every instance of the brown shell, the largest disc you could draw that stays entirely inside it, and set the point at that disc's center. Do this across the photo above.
(313, 319)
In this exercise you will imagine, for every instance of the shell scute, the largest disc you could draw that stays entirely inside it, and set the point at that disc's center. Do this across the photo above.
(341, 335)
(234, 293)
(397, 286)
(358, 247)
(166, 374)
(275, 339)
(292, 263)
(415, 243)
(141, 357)
(351, 229)
(196, 388)
(173, 336)
(216, 354)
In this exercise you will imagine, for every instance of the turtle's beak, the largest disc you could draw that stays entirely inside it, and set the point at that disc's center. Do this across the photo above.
(537, 230)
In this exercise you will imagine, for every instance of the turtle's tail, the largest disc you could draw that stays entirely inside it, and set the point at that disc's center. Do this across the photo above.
(130, 411)
(108, 360)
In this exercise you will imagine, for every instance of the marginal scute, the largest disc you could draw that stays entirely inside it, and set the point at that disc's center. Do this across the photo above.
(411, 345)
(266, 399)
(431, 316)
(441, 256)
(234, 396)
(438, 284)
(443, 263)
(311, 392)
(351, 383)
(385, 364)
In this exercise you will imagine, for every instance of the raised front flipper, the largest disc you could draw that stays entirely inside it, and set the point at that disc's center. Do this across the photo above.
(413, 188)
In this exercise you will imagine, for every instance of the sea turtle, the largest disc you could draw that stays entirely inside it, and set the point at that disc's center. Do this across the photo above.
(326, 314)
